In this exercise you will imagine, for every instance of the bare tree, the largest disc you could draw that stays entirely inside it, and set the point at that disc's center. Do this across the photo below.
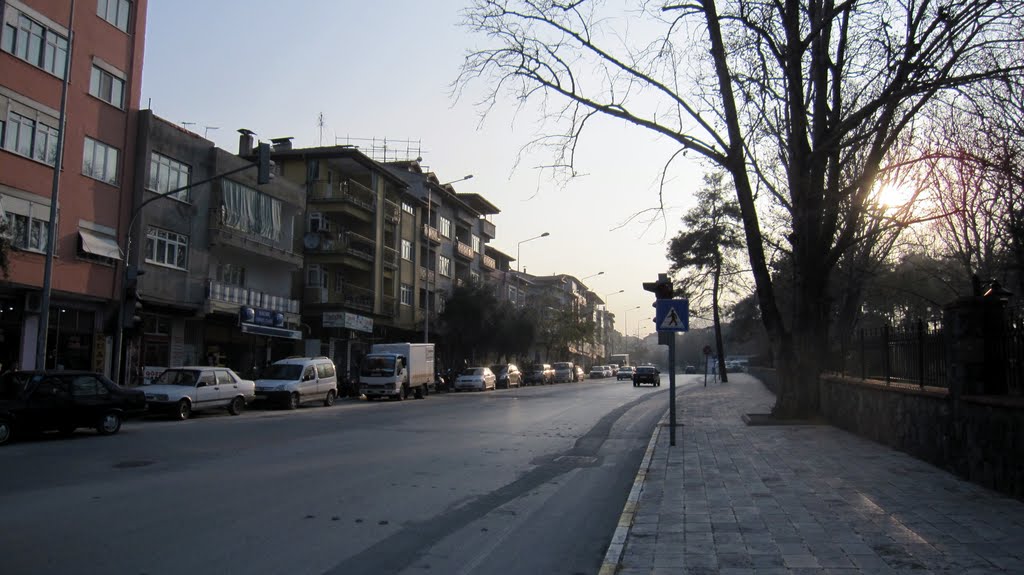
(802, 102)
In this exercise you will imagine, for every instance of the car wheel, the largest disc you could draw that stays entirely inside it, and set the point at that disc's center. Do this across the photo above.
(184, 410)
(236, 406)
(109, 424)
(6, 432)
(329, 400)
(293, 400)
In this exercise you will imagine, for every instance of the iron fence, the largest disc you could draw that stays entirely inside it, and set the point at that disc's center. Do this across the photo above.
(912, 355)
(1014, 351)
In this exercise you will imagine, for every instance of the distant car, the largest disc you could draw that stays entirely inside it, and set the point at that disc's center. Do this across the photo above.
(476, 379)
(598, 371)
(625, 372)
(539, 374)
(565, 372)
(181, 391)
(691, 369)
(647, 374)
(507, 375)
(36, 401)
(580, 374)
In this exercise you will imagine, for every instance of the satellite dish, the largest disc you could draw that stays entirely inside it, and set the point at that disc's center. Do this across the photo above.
(311, 241)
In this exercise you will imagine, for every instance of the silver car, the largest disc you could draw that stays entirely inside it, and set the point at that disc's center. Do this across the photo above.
(476, 379)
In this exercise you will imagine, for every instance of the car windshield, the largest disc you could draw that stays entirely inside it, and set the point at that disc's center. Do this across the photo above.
(378, 366)
(563, 366)
(474, 371)
(498, 369)
(284, 371)
(185, 377)
(645, 370)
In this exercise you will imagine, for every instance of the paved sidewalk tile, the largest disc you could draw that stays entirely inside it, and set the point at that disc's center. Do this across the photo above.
(760, 500)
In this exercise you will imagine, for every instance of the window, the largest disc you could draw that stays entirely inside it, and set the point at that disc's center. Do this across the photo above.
(28, 233)
(115, 11)
(444, 227)
(88, 386)
(106, 87)
(316, 276)
(405, 294)
(249, 211)
(35, 43)
(407, 250)
(99, 161)
(407, 208)
(31, 138)
(446, 267)
(166, 248)
(475, 242)
(474, 276)
(231, 274)
(339, 280)
(166, 174)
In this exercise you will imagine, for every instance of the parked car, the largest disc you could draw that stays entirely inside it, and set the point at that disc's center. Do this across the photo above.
(184, 390)
(507, 375)
(565, 372)
(647, 374)
(37, 401)
(625, 372)
(292, 381)
(539, 374)
(691, 369)
(580, 374)
(476, 379)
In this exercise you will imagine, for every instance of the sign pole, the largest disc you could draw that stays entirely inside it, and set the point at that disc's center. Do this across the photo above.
(672, 387)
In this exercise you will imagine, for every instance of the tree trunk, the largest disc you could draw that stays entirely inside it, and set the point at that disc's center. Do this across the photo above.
(801, 354)
(719, 348)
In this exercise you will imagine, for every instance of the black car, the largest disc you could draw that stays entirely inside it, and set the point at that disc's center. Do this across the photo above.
(539, 374)
(35, 401)
(646, 374)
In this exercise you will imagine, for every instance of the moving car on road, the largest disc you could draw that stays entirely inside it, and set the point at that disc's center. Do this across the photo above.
(35, 401)
(647, 374)
(598, 371)
(184, 390)
(625, 372)
(475, 379)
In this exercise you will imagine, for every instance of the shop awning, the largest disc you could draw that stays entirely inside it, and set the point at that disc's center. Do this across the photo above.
(271, 331)
(99, 244)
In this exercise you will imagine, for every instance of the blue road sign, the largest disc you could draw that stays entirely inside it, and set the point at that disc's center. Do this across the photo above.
(672, 314)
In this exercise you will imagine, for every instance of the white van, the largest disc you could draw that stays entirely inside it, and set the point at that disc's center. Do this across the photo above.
(295, 380)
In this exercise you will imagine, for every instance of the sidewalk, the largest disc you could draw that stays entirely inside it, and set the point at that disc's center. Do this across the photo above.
(736, 499)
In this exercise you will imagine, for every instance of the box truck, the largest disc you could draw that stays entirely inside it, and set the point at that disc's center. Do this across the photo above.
(397, 370)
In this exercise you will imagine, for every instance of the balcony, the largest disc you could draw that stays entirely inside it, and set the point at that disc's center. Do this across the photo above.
(392, 213)
(225, 297)
(224, 234)
(431, 234)
(487, 229)
(489, 263)
(347, 193)
(390, 258)
(428, 276)
(464, 250)
(388, 306)
(350, 296)
(343, 245)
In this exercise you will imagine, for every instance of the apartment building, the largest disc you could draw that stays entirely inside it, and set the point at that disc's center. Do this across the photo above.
(98, 51)
(221, 256)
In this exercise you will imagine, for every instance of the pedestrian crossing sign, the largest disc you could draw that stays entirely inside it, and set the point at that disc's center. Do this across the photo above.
(672, 315)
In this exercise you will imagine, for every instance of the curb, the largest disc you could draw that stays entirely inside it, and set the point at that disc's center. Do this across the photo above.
(618, 544)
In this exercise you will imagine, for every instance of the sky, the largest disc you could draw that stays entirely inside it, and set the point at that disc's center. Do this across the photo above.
(385, 70)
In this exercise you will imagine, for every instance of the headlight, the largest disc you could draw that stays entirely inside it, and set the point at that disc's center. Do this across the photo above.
(281, 387)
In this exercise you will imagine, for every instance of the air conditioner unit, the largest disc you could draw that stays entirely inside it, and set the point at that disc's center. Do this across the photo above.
(33, 302)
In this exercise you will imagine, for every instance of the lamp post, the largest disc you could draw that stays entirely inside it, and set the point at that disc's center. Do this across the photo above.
(426, 311)
(592, 276)
(519, 283)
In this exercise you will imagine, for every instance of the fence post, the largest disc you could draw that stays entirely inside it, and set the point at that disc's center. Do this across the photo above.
(885, 349)
(920, 352)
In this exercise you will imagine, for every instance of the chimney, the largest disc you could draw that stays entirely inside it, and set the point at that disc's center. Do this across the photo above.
(282, 144)
(245, 142)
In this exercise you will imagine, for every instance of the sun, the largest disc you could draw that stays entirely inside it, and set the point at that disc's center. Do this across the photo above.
(895, 195)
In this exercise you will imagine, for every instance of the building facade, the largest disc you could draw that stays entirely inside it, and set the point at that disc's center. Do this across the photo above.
(98, 51)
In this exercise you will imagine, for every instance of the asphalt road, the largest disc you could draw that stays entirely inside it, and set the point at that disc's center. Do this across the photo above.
(518, 481)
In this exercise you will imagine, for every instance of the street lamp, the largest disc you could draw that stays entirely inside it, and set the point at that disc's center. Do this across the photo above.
(430, 201)
(519, 282)
(592, 276)
(625, 321)
(605, 298)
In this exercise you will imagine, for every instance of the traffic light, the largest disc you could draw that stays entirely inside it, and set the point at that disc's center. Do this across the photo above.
(662, 288)
(132, 303)
(263, 163)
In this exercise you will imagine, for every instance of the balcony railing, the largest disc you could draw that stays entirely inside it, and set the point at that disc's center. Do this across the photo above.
(428, 276)
(487, 229)
(431, 233)
(360, 246)
(390, 258)
(489, 262)
(357, 298)
(221, 292)
(222, 232)
(464, 250)
(349, 191)
(388, 305)
(392, 213)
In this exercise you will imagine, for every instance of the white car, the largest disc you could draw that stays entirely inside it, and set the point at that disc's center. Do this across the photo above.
(183, 390)
(476, 378)
(290, 382)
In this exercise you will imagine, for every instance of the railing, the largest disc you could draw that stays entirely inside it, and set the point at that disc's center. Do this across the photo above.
(431, 233)
(427, 275)
(464, 250)
(390, 258)
(909, 355)
(392, 213)
(1014, 351)
(218, 222)
(360, 246)
(222, 292)
(357, 298)
(489, 263)
(388, 305)
(349, 191)
(487, 229)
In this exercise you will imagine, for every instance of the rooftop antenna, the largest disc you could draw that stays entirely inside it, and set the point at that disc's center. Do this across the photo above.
(206, 131)
(187, 124)
(320, 125)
